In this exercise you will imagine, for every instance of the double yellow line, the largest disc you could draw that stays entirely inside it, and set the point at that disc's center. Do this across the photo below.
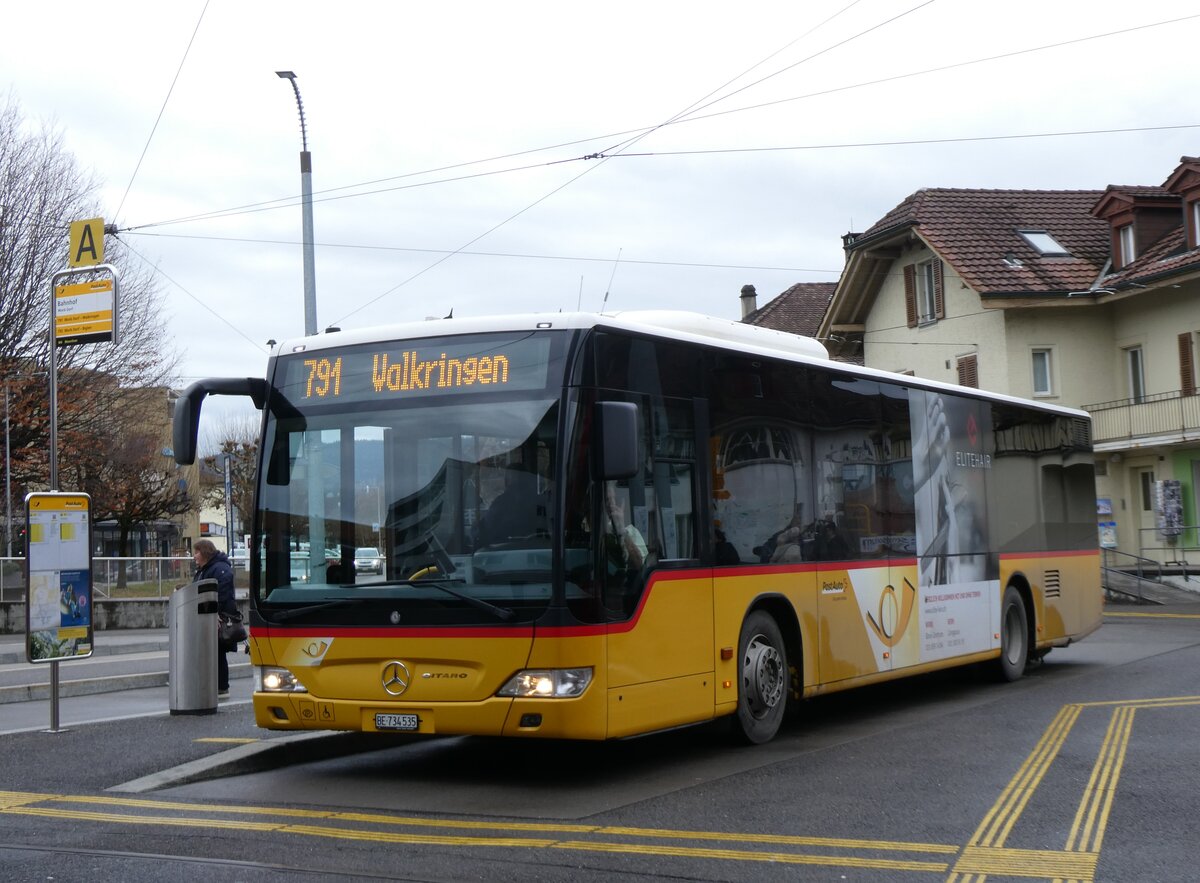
(985, 853)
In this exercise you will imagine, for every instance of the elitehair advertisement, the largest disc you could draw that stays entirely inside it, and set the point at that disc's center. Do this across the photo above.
(957, 579)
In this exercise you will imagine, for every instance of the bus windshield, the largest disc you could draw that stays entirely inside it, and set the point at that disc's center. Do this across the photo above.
(424, 505)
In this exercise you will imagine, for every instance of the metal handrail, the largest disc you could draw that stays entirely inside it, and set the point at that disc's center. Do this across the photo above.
(163, 573)
(1139, 560)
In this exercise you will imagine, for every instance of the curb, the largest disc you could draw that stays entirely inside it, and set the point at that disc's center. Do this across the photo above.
(260, 757)
(14, 657)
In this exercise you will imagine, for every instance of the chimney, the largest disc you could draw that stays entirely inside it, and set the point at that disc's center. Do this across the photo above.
(749, 301)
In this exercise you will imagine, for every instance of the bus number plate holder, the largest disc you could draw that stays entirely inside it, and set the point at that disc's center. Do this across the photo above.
(405, 722)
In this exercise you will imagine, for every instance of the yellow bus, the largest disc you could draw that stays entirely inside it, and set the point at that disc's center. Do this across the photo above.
(599, 526)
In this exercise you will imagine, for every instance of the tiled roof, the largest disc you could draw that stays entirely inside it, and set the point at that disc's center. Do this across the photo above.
(976, 232)
(798, 310)
(1167, 256)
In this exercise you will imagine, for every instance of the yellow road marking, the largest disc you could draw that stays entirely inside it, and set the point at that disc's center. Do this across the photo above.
(1027, 863)
(791, 840)
(984, 854)
(999, 821)
(1087, 831)
(790, 858)
(21, 803)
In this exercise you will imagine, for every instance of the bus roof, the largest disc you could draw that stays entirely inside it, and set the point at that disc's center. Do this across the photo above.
(673, 324)
(667, 324)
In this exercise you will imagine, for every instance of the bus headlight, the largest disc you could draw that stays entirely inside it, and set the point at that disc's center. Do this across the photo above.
(553, 683)
(269, 679)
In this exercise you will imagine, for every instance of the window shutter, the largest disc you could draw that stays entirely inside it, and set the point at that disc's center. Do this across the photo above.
(1187, 372)
(939, 299)
(910, 294)
(968, 371)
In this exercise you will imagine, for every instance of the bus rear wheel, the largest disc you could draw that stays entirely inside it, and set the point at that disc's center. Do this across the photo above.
(762, 678)
(1014, 636)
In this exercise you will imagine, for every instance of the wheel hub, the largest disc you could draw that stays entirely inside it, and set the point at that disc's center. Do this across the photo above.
(762, 676)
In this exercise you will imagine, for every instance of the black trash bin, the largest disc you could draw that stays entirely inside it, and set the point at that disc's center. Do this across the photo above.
(192, 648)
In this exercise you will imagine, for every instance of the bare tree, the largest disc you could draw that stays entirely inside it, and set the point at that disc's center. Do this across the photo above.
(105, 390)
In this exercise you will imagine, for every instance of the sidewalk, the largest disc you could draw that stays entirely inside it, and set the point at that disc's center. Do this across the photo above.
(126, 676)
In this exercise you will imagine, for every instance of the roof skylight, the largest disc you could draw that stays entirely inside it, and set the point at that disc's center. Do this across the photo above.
(1043, 242)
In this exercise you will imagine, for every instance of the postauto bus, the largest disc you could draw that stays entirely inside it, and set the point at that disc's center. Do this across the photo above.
(597, 526)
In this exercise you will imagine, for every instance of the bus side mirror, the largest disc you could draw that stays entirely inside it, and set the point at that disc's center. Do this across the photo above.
(617, 433)
(186, 422)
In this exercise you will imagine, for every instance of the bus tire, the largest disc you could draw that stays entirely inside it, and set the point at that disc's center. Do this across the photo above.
(762, 679)
(1014, 636)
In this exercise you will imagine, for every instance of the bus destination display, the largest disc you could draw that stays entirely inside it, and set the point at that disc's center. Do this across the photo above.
(416, 369)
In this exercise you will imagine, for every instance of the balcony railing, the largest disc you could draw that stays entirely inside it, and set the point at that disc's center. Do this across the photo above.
(1169, 416)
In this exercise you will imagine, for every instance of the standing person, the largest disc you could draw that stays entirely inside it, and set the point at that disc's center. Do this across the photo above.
(213, 564)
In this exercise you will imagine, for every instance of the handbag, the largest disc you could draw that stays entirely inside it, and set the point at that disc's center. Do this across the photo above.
(230, 629)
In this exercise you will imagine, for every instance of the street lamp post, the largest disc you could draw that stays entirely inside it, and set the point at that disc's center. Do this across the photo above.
(310, 284)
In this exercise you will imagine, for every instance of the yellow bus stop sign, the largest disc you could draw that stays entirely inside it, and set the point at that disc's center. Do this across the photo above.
(87, 243)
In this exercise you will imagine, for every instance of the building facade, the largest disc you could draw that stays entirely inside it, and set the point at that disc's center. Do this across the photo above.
(1087, 299)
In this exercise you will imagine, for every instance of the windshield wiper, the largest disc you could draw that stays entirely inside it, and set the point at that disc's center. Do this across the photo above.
(502, 613)
(312, 608)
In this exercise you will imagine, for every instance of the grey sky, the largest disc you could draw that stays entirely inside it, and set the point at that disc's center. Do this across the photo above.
(394, 92)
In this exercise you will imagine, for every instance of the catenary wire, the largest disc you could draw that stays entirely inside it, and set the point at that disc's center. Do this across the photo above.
(602, 160)
(155, 268)
(292, 201)
(260, 207)
(162, 109)
(485, 254)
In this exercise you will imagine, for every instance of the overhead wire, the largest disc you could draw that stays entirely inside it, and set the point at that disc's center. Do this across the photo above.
(947, 67)
(621, 149)
(487, 254)
(293, 200)
(840, 145)
(157, 269)
(162, 109)
(602, 160)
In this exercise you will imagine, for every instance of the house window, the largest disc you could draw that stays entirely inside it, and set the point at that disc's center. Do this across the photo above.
(1128, 249)
(968, 371)
(1194, 241)
(924, 300)
(1136, 374)
(1043, 383)
(1187, 364)
(926, 290)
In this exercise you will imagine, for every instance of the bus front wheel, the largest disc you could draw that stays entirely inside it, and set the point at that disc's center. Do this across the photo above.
(1014, 636)
(762, 678)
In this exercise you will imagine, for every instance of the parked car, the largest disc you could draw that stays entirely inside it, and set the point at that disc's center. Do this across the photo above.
(368, 560)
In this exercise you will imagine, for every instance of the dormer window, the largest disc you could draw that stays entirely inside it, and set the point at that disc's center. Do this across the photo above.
(1044, 243)
(1194, 239)
(1128, 246)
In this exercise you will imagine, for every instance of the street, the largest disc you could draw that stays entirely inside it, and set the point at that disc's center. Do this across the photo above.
(1086, 769)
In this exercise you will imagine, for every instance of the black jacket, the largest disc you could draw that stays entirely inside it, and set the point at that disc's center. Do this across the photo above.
(219, 568)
